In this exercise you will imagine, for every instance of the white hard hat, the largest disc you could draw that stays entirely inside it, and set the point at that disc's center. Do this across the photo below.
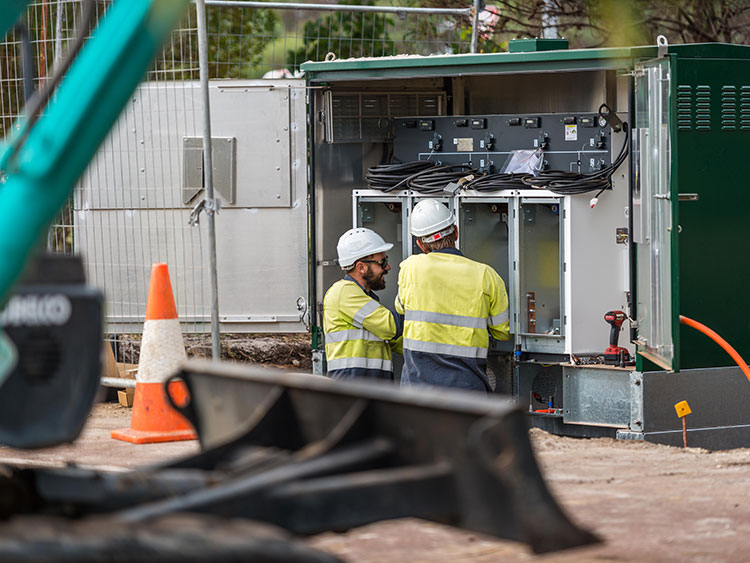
(430, 216)
(358, 243)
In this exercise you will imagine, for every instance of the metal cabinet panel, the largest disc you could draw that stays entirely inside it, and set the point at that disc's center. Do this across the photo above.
(596, 266)
(141, 164)
(540, 265)
(264, 118)
(262, 287)
(598, 396)
(486, 233)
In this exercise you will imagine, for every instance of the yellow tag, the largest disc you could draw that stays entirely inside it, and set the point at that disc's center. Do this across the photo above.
(682, 408)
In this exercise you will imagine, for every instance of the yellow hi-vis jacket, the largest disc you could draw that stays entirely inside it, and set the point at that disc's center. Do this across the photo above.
(358, 331)
(450, 303)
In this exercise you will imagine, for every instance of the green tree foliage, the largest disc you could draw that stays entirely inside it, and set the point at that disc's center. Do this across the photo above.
(594, 23)
(236, 40)
(697, 21)
(438, 35)
(346, 34)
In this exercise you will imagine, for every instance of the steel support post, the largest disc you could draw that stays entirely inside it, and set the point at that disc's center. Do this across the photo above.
(208, 177)
(475, 25)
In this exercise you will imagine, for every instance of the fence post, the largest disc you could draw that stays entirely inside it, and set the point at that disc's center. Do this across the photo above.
(211, 207)
(478, 4)
(58, 32)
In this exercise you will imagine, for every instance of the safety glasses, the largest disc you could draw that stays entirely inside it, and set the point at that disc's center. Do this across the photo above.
(383, 262)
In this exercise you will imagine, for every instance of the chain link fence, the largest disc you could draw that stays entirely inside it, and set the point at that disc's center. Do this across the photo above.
(244, 42)
(127, 211)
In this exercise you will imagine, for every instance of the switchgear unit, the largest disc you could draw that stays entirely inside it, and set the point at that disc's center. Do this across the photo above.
(593, 181)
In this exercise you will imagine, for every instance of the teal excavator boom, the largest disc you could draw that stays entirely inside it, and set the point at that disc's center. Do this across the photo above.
(44, 156)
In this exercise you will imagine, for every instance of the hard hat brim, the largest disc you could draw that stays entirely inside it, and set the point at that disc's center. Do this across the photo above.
(450, 221)
(382, 248)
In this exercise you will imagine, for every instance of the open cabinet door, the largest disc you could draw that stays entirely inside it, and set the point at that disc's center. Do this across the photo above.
(654, 222)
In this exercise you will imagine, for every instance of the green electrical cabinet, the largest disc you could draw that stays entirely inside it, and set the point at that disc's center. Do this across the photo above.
(693, 115)
(667, 240)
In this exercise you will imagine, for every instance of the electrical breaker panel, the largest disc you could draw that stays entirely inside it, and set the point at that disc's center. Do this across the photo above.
(572, 142)
(543, 244)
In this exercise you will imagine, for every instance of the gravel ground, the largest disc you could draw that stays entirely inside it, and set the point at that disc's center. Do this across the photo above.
(647, 502)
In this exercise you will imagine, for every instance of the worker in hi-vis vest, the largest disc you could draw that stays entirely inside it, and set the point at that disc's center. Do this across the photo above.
(450, 303)
(360, 333)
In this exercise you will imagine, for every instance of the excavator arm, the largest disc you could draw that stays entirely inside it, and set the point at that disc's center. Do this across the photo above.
(45, 155)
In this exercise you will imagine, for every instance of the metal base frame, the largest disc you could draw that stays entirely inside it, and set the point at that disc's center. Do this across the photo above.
(595, 402)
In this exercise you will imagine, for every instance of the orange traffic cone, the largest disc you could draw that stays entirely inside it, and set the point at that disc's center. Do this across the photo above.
(162, 350)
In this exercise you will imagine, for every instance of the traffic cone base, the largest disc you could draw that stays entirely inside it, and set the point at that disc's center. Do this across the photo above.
(153, 419)
(145, 437)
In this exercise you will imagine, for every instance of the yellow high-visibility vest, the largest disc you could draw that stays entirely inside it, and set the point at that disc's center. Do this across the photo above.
(358, 332)
(451, 305)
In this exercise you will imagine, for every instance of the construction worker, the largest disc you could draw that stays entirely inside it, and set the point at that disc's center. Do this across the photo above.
(360, 333)
(450, 303)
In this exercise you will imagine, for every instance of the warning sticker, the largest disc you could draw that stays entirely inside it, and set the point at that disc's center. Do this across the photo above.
(571, 132)
(465, 144)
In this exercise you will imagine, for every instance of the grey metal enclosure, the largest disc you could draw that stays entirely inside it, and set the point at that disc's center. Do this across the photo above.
(134, 202)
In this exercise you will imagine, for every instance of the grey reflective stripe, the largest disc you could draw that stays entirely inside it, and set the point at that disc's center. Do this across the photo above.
(445, 319)
(351, 334)
(367, 308)
(499, 319)
(447, 349)
(367, 363)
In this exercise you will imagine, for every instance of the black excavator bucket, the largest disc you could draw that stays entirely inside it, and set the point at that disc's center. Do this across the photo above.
(309, 454)
(359, 452)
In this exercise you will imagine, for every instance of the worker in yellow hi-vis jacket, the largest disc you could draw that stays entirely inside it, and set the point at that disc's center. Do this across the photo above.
(450, 303)
(360, 333)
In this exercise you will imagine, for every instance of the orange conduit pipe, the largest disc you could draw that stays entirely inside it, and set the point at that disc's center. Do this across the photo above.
(720, 341)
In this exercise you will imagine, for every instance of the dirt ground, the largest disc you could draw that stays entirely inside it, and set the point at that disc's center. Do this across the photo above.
(288, 350)
(647, 502)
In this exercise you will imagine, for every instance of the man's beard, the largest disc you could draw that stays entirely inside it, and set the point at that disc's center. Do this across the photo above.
(376, 283)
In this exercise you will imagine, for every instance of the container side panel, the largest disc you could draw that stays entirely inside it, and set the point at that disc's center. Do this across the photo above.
(134, 201)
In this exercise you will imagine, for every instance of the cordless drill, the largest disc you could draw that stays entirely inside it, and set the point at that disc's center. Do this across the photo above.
(613, 351)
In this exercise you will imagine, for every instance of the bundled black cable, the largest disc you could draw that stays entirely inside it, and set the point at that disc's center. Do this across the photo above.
(434, 180)
(573, 183)
(390, 177)
(495, 182)
(425, 176)
(566, 183)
